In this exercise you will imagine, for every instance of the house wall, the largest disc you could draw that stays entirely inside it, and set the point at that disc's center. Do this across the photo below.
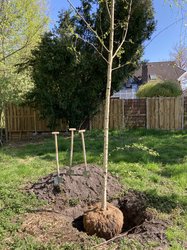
(126, 93)
(184, 85)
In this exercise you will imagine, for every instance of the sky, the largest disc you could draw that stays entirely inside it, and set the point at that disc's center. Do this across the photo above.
(171, 28)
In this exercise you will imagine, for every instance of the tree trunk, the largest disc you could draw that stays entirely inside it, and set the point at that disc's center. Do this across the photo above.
(1, 126)
(107, 106)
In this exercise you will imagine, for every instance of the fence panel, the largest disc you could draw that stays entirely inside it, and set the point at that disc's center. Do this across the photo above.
(165, 113)
(185, 113)
(116, 116)
(123, 114)
(154, 113)
(135, 113)
(22, 121)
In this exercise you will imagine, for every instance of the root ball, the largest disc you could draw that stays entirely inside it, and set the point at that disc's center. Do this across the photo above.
(105, 224)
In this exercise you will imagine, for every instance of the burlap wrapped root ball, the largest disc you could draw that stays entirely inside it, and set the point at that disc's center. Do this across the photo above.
(104, 224)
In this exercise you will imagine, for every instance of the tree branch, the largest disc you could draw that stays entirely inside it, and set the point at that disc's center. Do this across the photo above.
(14, 52)
(100, 21)
(107, 7)
(120, 66)
(125, 35)
(88, 26)
(93, 47)
(22, 47)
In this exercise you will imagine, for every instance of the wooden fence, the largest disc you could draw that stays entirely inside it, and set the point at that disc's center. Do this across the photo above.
(153, 113)
(185, 113)
(116, 116)
(134, 113)
(23, 121)
(165, 113)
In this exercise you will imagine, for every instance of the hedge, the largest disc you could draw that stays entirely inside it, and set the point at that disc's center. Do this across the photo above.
(159, 88)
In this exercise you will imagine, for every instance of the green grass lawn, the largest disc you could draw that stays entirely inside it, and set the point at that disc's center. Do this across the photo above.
(154, 162)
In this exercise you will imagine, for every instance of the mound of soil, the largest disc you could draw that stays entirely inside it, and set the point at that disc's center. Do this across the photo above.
(78, 191)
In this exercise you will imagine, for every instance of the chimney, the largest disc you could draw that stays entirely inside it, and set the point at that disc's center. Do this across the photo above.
(144, 72)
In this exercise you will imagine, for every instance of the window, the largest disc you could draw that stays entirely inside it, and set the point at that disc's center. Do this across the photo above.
(184, 85)
(153, 77)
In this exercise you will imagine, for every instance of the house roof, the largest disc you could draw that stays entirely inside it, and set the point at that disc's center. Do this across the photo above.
(167, 70)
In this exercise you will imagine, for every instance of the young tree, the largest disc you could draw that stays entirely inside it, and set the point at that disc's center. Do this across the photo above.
(109, 52)
(118, 26)
(21, 26)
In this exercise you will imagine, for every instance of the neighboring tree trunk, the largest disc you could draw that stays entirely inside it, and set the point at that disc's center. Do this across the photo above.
(107, 106)
(1, 127)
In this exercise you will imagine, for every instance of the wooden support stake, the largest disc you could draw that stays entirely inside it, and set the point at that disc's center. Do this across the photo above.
(72, 142)
(83, 147)
(56, 146)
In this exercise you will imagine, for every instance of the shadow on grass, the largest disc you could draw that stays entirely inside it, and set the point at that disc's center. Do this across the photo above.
(135, 146)
(165, 203)
(173, 170)
(45, 149)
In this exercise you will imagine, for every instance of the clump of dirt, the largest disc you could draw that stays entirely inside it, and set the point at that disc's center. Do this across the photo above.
(150, 230)
(78, 191)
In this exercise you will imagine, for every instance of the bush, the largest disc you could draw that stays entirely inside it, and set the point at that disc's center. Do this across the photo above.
(159, 88)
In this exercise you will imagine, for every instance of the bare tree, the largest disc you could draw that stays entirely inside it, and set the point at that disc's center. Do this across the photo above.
(111, 56)
(179, 55)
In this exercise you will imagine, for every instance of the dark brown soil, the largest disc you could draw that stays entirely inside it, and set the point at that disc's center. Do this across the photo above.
(77, 192)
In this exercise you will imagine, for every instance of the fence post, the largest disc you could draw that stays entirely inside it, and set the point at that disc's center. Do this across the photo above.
(90, 123)
(6, 123)
(182, 111)
(147, 109)
(123, 114)
(35, 128)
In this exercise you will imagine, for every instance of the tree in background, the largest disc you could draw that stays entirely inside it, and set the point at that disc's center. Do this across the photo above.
(21, 26)
(180, 3)
(67, 84)
(179, 52)
(69, 67)
(179, 55)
